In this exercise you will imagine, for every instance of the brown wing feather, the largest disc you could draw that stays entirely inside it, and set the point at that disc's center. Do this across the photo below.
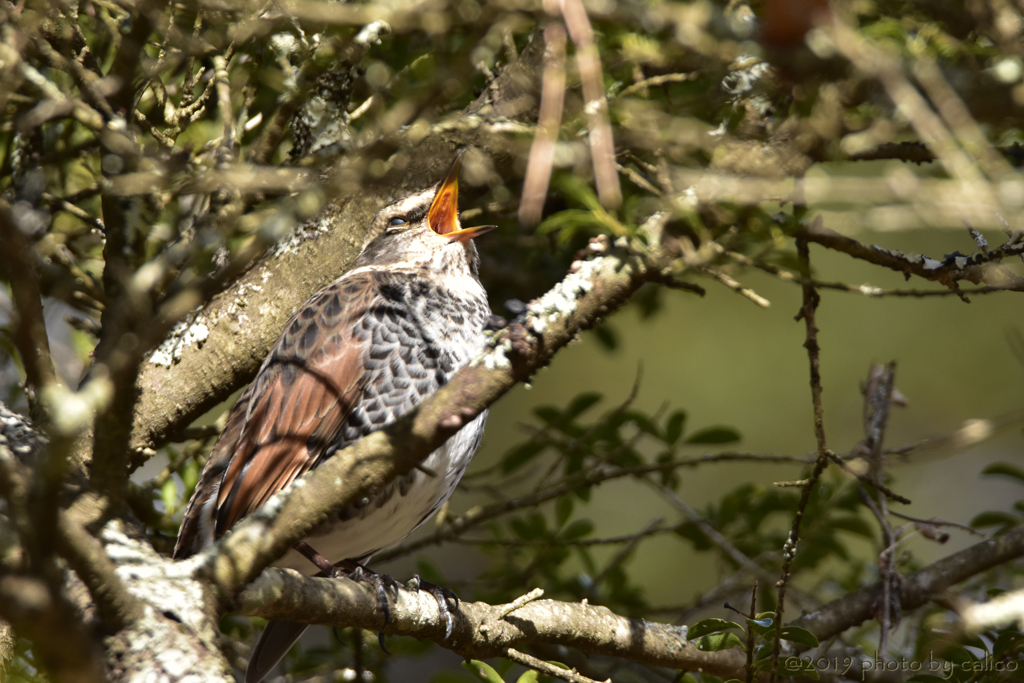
(190, 535)
(283, 424)
(304, 393)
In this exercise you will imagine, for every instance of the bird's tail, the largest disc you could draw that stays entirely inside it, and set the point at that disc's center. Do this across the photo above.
(275, 641)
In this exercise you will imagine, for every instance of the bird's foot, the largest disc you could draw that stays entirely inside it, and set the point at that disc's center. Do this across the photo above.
(442, 595)
(350, 569)
(381, 582)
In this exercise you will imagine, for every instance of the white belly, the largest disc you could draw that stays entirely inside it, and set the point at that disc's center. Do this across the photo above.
(396, 512)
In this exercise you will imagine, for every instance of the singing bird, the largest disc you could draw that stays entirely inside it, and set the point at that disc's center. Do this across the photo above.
(360, 354)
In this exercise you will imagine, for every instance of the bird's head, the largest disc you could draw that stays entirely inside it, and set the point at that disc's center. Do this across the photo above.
(423, 230)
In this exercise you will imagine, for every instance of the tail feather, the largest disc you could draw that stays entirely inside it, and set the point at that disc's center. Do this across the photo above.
(275, 641)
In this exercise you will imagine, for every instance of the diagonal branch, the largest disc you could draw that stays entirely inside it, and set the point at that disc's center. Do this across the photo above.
(949, 271)
(918, 587)
(30, 332)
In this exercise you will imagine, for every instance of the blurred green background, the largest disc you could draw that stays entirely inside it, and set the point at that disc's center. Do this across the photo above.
(727, 362)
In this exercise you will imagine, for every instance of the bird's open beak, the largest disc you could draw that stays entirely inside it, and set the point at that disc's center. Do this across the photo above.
(443, 215)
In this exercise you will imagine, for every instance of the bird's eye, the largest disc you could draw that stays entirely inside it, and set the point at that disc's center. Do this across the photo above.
(396, 221)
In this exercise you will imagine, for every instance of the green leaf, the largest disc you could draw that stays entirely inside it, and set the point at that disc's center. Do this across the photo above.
(563, 511)
(529, 676)
(715, 435)
(799, 635)
(763, 627)
(449, 676)
(606, 335)
(762, 655)
(482, 671)
(578, 529)
(1006, 642)
(1005, 470)
(709, 626)
(549, 414)
(994, 518)
(520, 455)
(719, 641)
(927, 678)
(169, 494)
(580, 404)
(674, 426)
(642, 421)
(853, 524)
(190, 476)
(694, 535)
(529, 528)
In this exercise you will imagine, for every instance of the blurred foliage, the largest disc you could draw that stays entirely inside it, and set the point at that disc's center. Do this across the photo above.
(998, 519)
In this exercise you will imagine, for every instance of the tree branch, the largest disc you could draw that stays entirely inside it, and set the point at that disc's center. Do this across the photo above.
(918, 587)
(949, 271)
(480, 630)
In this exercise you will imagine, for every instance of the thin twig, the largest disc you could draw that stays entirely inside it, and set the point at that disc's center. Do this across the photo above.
(602, 146)
(750, 634)
(656, 81)
(807, 312)
(736, 286)
(540, 665)
(867, 480)
(535, 594)
(542, 150)
(936, 522)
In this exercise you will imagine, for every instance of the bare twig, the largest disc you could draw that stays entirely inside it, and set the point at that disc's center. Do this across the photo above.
(602, 147)
(540, 665)
(542, 151)
(807, 312)
(535, 594)
(737, 287)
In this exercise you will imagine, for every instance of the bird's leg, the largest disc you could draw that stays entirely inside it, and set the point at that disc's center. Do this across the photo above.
(380, 583)
(357, 572)
(321, 562)
(442, 595)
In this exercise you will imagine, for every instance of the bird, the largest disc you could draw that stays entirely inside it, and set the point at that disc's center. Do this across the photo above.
(356, 357)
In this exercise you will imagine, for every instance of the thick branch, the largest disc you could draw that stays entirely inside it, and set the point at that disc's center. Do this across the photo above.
(30, 331)
(917, 588)
(480, 630)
